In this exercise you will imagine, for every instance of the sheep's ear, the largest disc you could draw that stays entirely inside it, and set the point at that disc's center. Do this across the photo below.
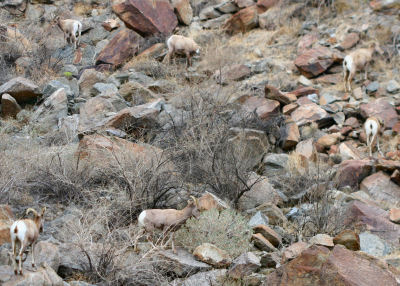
(43, 211)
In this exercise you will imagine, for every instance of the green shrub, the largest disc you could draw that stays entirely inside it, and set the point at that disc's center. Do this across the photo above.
(227, 230)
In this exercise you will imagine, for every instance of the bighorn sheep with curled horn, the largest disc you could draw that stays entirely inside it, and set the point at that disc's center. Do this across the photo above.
(182, 45)
(356, 61)
(71, 28)
(24, 233)
(167, 220)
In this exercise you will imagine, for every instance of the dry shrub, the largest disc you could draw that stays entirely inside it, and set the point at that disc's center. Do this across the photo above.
(227, 230)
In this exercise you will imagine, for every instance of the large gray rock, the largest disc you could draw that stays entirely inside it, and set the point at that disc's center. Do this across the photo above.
(42, 276)
(201, 279)
(244, 265)
(373, 244)
(22, 89)
(182, 263)
(9, 106)
(53, 108)
(212, 255)
(89, 78)
(381, 188)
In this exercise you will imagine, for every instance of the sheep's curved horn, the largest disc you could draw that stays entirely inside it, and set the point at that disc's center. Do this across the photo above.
(31, 210)
(194, 200)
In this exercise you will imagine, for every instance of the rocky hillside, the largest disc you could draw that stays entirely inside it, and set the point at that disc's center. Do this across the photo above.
(259, 129)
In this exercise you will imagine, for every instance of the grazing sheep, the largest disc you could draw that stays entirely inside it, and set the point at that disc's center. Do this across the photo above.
(25, 232)
(167, 220)
(70, 28)
(372, 127)
(356, 61)
(182, 45)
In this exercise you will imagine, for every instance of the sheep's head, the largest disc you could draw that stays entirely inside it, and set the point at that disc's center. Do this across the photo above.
(377, 48)
(38, 217)
(194, 206)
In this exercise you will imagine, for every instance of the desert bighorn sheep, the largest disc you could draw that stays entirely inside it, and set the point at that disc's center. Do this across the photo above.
(372, 127)
(182, 45)
(25, 232)
(70, 28)
(356, 61)
(167, 220)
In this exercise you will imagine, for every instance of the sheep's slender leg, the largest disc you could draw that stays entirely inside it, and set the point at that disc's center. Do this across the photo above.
(369, 143)
(139, 235)
(73, 36)
(173, 244)
(21, 251)
(188, 60)
(32, 254)
(350, 78)
(79, 35)
(377, 144)
(14, 256)
(345, 77)
(365, 71)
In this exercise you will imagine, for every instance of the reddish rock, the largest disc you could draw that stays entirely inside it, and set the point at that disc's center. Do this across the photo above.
(244, 265)
(134, 119)
(22, 89)
(110, 24)
(352, 121)
(183, 10)
(322, 239)
(314, 62)
(345, 130)
(349, 41)
(212, 255)
(340, 267)
(394, 215)
(146, 19)
(264, 5)
(304, 100)
(264, 108)
(120, 49)
(288, 109)
(373, 219)
(328, 140)
(303, 91)
(395, 177)
(352, 172)
(349, 239)
(306, 42)
(274, 94)
(393, 155)
(155, 51)
(330, 78)
(308, 113)
(262, 243)
(9, 106)
(242, 21)
(307, 149)
(348, 151)
(6, 219)
(381, 188)
(235, 72)
(378, 5)
(380, 108)
(294, 250)
(267, 232)
(387, 165)
(244, 3)
(396, 128)
(292, 135)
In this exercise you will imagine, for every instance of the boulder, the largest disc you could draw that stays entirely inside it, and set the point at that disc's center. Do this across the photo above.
(212, 255)
(349, 239)
(274, 94)
(348, 151)
(244, 20)
(110, 24)
(52, 110)
(321, 239)
(374, 219)
(47, 252)
(201, 278)
(379, 5)
(183, 10)
(349, 41)
(123, 46)
(292, 135)
(146, 19)
(267, 232)
(308, 113)
(319, 266)
(6, 219)
(244, 265)
(258, 219)
(307, 149)
(89, 78)
(44, 275)
(182, 263)
(328, 140)
(261, 192)
(381, 188)
(9, 106)
(209, 12)
(374, 245)
(22, 89)
(352, 172)
(262, 243)
(314, 62)
(264, 5)
(264, 108)
(293, 251)
(380, 108)
(306, 42)
(394, 215)
(244, 3)
(232, 73)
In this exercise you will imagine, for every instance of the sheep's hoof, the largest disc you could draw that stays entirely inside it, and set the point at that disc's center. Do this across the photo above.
(20, 272)
(15, 271)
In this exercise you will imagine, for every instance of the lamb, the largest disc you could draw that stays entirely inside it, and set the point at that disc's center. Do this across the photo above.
(356, 61)
(372, 126)
(70, 28)
(182, 45)
(25, 232)
(167, 220)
